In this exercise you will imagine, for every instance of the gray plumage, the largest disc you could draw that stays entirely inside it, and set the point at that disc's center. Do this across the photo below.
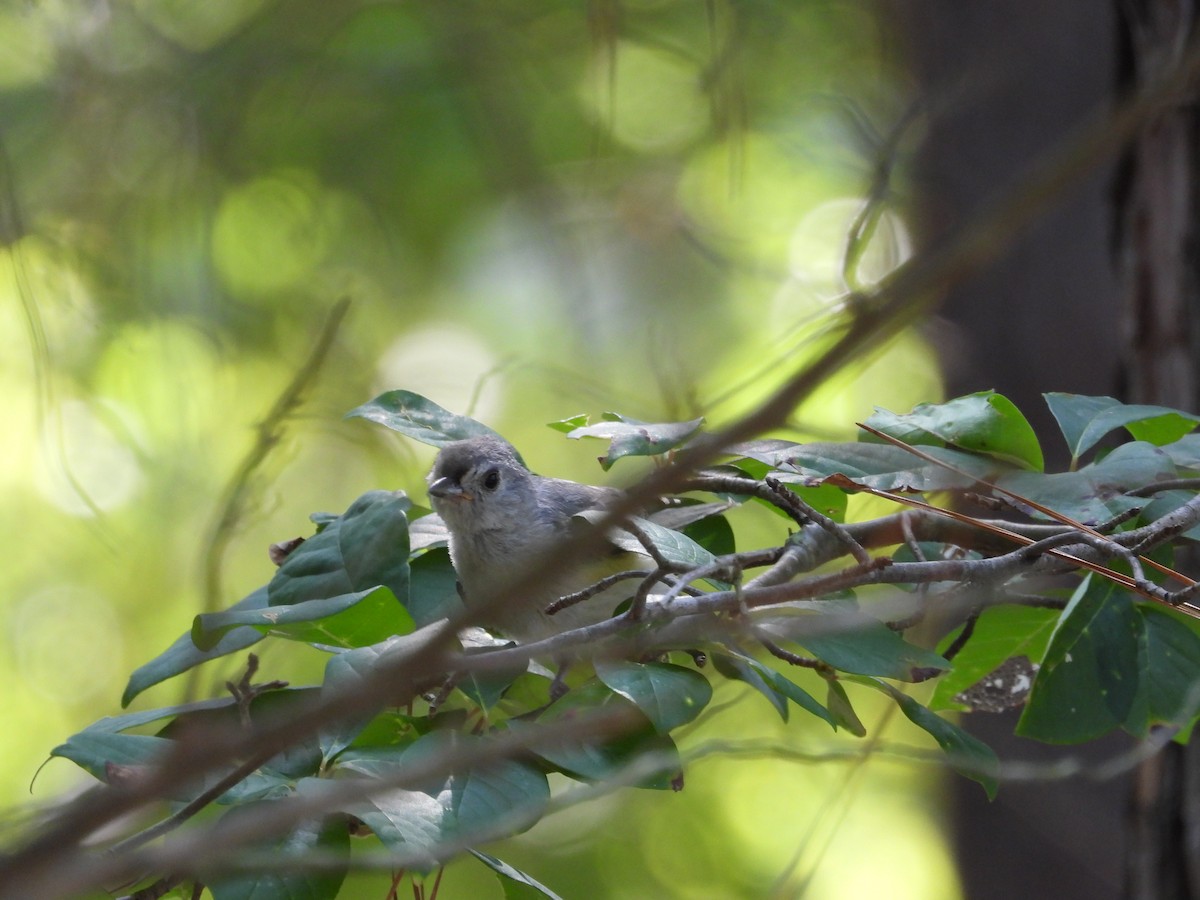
(502, 519)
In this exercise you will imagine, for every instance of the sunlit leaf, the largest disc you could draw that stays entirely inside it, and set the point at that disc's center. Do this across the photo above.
(569, 424)
(1000, 632)
(351, 620)
(629, 437)
(986, 422)
(419, 418)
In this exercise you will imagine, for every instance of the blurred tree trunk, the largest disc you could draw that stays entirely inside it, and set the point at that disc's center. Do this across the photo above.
(1156, 250)
(1101, 296)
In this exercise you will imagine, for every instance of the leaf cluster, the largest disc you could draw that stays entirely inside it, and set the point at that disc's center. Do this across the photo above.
(432, 741)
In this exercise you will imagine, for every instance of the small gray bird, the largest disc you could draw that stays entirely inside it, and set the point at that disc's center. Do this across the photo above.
(502, 520)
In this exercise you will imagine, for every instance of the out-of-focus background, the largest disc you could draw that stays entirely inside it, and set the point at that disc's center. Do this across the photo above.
(535, 210)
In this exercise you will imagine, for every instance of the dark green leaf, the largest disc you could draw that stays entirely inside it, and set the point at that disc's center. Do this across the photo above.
(1089, 680)
(1097, 492)
(714, 534)
(184, 654)
(967, 754)
(772, 685)
(501, 798)
(1085, 420)
(352, 620)
(595, 760)
(669, 695)
(986, 422)
(629, 437)
(517, 885)
(750, 672)
(328, 840)
(346, 672)
(367, 546)
(1001, 632)
(433, 588)
(1170, 668)
(842, 711)
(857, 643)
(419, 418)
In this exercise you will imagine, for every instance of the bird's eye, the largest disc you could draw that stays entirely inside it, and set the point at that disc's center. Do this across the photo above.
(491, 480)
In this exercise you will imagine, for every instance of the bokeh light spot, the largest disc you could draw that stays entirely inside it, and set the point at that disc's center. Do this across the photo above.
(650, 100)
(448, 364)
(84, 468)
(68, 643)
(269, 234)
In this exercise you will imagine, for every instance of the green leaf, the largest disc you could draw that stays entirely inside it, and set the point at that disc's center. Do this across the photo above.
(1170, 668)
(1000, 632)
(842, 711)
(880, 466)
(629, 437)
(1089, 680)
(857, 643)
(1085, 420)
(517, 885)
(674, 545)
(986, 422)
(570, 424)
(328, 840)
(184, 654)
(967, 755)
(365, 547)
(103, 742)
(419, 418)
(714, 534)
(772, 685)
(351, 620)
(1184, 452)
(347, 671)
(669, 695)
(596, 760)
(485, 803)
(433, 588)
(1096, 492)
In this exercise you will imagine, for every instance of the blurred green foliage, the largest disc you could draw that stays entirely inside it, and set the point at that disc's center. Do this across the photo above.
(535, 209)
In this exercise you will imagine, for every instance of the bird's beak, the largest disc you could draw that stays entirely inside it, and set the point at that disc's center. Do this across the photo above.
(448, 489)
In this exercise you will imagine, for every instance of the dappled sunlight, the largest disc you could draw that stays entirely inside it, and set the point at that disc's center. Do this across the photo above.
(648, 98)
(85, 468)
(534, 214)
(450, 365)
(71, 648)
(818, 248)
